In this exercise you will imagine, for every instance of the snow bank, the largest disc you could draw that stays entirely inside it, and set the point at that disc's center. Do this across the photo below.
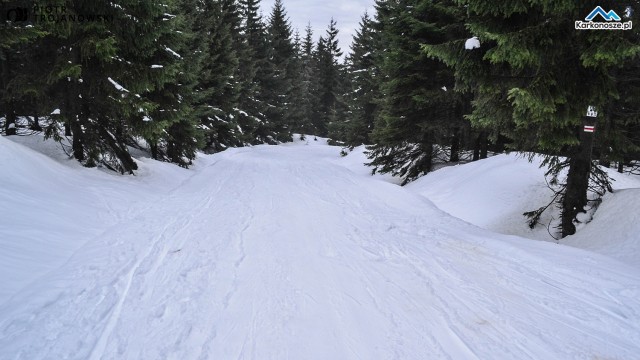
(50, 205)
(491, 193)
(43, 215)
(615, 229)
(495, 192)
(355, 160)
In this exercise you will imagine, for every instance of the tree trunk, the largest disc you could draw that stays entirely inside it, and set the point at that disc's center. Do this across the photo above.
(484, 145)
(428, 158)
(153, 146)
(127, 163)
(481, 147)
(604, 135)
(10, 123)
(426, 163)
(69, 115)
(35, 126)
(455, 145)
(476, 149)
(575, 197)
(77, 145)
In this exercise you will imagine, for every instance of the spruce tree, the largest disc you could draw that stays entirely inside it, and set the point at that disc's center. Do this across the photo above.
(278, 87)
(296, 97)
(158, 73)
(364, 91)
(534, 77)
(121, 80)
(329, 85)
(255, 72)
(618, 137)
(418, 110)
(308, 83)
(216, 89)
(22, 67)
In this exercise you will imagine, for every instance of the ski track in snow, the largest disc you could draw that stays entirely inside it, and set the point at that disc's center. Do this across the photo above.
(281, 253)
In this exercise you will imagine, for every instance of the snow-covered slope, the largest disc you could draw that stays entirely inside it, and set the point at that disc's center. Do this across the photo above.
(492, 193)
(615, 229)
(282, 252)
(48, 209)
(495, 192)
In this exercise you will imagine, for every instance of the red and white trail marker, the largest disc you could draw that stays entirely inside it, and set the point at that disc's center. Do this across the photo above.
(589, 128)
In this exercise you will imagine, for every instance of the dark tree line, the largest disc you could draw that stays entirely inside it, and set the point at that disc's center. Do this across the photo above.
(171, 77)
(535, 76)
(177, 76)
(527, 87)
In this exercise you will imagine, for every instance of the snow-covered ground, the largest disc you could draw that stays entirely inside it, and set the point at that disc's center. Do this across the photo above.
(283, 252)
(495, 192)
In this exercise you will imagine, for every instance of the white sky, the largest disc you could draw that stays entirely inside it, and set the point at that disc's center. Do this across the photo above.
(346, 13)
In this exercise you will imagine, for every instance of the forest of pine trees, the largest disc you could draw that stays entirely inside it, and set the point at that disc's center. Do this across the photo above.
(174, 77)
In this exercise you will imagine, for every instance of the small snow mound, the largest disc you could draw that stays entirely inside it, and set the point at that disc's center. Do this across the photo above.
(494, 193)
(472, 43)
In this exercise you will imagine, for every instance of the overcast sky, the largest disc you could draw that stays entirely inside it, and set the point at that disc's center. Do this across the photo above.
(346, 13)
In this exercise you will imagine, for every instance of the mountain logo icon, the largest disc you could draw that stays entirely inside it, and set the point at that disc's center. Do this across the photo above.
(608, 16)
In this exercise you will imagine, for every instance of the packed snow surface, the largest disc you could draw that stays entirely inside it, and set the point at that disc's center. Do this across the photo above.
(283, 252)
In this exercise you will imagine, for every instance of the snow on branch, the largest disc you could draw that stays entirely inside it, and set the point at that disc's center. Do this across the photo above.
(173, 52)
(472, 43)
(116, 85)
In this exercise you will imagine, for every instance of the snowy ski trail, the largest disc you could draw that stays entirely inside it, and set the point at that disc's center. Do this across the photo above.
(283, 253)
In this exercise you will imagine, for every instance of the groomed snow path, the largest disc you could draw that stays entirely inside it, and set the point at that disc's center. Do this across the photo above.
(281, 252)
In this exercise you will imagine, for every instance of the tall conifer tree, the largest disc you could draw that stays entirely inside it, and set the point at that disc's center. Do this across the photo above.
(307, 64)
(364, 75)
(534, 77)
(329, 81)
(417, 106)
(278, 86)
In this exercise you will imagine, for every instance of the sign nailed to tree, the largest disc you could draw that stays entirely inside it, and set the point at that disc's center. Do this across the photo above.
(589, 128)
(592, 112)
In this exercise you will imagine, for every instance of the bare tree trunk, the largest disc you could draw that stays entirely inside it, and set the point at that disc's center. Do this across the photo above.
(575, 197)
(476, 148)
(455, 145)
(77, 143)
(35, 125)
(484, 145)
(427, 148)
(10, 123)
(119, 149)
(153, 146)
(605, 152)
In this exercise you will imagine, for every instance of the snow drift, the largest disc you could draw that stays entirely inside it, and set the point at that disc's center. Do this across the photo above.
(495, 192)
